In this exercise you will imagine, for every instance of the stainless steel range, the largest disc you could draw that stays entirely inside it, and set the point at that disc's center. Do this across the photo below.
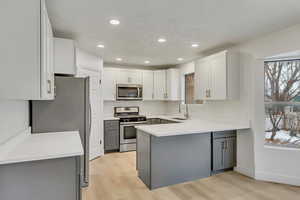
(129, 117)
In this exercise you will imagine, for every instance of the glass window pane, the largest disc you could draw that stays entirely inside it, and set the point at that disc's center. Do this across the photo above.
(282, 103)
(189, 88)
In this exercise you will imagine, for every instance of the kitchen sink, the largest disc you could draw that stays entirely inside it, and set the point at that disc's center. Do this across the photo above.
(179, 118)
(161, 121)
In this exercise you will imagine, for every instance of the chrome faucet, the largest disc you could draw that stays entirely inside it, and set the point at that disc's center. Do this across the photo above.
(179, 107)
(187, 114)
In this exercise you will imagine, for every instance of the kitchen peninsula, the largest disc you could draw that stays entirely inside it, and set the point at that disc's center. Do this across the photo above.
(168, 154)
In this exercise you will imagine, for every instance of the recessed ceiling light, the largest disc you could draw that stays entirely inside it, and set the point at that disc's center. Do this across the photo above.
(100, 46)
(147, 62)
(161, 40)
(114, 22)
(180, 59)
(195, 45)
(119, 59)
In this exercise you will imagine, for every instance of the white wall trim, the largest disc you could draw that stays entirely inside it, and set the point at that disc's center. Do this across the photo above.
(245, 171)
(269, 146)
(277, 178)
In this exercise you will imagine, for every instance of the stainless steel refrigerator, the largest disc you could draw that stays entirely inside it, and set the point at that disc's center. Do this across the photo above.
(69, 111)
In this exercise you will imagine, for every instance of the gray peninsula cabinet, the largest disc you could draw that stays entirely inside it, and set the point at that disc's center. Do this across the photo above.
(52, 179)
(163, 161)
(111, 135)
(168, 160)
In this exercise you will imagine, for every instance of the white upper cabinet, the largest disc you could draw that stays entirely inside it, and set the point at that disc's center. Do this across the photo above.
(26, 52)
(202, 78)
(109, 84)
(148, 85)
(129, 77)
(157, 84)
(64, 56)
(217, 77)
(87, 61)
(160, 92)
(173, 84)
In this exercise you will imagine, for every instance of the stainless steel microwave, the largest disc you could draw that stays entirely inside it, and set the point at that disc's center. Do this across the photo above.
(129, 92)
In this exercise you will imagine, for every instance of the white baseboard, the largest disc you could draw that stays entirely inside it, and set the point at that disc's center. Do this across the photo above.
(245, 171)
(277, 178)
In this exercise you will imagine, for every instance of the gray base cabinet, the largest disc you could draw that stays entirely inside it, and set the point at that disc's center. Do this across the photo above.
(163, 161)
(224, 150)
(57, 179)
(111, 135)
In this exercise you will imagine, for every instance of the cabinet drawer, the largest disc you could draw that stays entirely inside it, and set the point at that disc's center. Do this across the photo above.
(224, 134)
(111, 128)
(111, 123)
(111, 131)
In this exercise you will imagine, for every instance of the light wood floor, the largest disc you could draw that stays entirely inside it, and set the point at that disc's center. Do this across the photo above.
(113, 177)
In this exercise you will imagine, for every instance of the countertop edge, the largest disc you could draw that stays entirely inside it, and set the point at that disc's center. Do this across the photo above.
(148, 129)
(29, 159)
(8, 156)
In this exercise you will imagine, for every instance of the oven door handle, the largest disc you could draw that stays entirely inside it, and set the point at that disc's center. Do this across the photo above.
(139, 91)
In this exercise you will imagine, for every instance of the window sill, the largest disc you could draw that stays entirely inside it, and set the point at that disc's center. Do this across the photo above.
(281, 147)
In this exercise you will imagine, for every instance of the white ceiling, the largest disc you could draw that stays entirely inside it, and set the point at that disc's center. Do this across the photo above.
(211, 23)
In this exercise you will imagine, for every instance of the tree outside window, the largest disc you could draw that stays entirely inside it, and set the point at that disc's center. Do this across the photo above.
(282, 103)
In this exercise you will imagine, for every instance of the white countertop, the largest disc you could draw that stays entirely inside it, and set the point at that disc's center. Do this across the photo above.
(148, 116)
(111, 118)
(32, 147)
(190, 127)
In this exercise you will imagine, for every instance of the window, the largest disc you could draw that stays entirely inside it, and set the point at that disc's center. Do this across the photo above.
(282, 103)
(189, 88)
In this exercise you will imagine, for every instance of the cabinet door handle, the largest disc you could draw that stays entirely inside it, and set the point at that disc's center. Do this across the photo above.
(223, 153)
(49, 86)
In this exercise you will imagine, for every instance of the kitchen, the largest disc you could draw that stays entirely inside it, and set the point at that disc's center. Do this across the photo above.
(118, 103)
